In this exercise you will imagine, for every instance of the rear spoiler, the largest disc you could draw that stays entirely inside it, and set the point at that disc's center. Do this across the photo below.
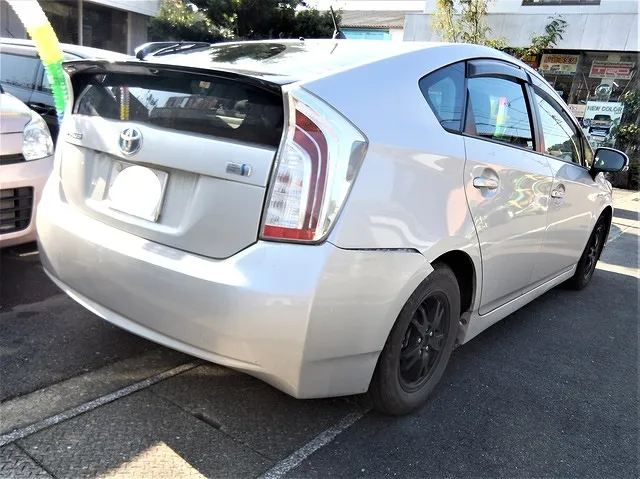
(157, 48)
(98, 66)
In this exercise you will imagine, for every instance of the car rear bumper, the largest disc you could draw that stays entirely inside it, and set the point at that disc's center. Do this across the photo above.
(310, 320)
(26, 174)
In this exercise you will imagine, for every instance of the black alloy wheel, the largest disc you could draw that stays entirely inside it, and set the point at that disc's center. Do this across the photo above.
(593, 250)
(590, 256)
(423, 341)
(419, 345)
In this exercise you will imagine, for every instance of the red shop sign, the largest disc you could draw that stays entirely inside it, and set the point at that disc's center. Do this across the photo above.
(619, 70)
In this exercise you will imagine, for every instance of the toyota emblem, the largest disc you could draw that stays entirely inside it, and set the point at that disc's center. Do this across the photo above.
(130, 141)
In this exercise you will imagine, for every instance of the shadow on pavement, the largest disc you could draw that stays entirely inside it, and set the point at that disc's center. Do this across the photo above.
(625, 214)
(22, 280)
(550, 391)
(209, 422)
(45, 337)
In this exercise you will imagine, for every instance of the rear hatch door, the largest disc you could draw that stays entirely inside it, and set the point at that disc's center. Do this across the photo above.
(178, 156)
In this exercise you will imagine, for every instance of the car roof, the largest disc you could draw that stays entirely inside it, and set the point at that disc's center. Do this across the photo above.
(283, 61)
(76, 50)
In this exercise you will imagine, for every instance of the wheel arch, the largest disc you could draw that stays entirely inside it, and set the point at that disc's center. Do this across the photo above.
(607, 213)
(465, 271)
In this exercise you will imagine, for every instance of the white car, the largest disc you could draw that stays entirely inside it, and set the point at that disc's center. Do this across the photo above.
(26, 160)
(330, 216)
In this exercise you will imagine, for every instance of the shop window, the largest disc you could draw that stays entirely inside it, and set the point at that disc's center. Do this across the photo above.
(603, 77)
(560, 2)
(63, 17)
(104, 27)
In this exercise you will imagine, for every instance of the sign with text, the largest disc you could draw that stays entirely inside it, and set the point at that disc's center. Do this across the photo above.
(617, 70)
(553, 64)
(532, 61)
(600, 118)
(578, 109)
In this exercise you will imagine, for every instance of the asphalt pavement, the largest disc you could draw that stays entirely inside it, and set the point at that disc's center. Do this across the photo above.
(44, 336)
(551, 391)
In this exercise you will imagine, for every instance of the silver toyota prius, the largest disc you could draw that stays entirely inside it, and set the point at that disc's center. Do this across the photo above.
(331, 216)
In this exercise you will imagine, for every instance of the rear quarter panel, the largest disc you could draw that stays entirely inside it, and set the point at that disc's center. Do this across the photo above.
(409, 192)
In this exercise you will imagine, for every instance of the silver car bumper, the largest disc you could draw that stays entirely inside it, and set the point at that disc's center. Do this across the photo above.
(310, 320)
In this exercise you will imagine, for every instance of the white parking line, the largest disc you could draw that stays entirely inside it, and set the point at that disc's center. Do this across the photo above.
(95, 403)
(321, 440)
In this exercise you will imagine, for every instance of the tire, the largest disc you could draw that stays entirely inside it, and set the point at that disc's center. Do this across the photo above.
(590, 257)
(418, 348)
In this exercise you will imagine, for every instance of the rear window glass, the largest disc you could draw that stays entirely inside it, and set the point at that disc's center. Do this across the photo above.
(204, 105)
(444, 91)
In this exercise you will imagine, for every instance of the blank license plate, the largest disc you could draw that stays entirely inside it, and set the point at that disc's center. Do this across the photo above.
(136, 190)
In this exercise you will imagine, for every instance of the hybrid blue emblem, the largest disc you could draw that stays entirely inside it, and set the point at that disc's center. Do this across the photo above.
(241, 169)
(130, 141)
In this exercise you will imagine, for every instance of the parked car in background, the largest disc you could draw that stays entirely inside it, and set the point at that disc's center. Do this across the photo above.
(600, 125)
(330, 216)
(22, 74)
(26, 160)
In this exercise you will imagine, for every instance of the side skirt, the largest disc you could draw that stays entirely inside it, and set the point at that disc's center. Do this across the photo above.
(478, 323)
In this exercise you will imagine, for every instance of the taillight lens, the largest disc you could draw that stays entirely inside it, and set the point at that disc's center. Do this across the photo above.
(316, 165)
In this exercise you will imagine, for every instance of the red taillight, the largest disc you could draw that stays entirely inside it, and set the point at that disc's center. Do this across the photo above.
(311, 177)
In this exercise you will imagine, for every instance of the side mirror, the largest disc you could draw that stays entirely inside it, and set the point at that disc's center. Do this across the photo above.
(608, 160)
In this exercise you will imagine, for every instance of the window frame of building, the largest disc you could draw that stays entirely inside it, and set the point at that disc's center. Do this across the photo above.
(357, 33)
(79, 20)
(535, 3)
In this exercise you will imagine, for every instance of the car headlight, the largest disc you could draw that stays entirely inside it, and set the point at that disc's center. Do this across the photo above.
(36, 139)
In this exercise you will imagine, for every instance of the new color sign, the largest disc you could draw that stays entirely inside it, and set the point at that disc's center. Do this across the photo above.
(618, 70)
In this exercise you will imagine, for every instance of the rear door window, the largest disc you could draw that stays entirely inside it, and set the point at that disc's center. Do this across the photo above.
(444, 91)
(498, 110)
(18, 70)
(189, 103)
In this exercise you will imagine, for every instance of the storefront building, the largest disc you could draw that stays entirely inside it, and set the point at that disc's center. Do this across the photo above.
(592, 83)
(117, 25)
(594, 63)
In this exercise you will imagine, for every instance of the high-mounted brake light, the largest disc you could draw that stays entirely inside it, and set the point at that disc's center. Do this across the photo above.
(318, 161)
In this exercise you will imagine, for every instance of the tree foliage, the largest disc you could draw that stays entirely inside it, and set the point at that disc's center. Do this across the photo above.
(627, 135)
(465, 21)
(214, 20)
(176, 20)
(552, 34)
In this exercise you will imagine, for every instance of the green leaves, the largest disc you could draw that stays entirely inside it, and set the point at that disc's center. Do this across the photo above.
(178, 21)
(465, 21)
(216, 20)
